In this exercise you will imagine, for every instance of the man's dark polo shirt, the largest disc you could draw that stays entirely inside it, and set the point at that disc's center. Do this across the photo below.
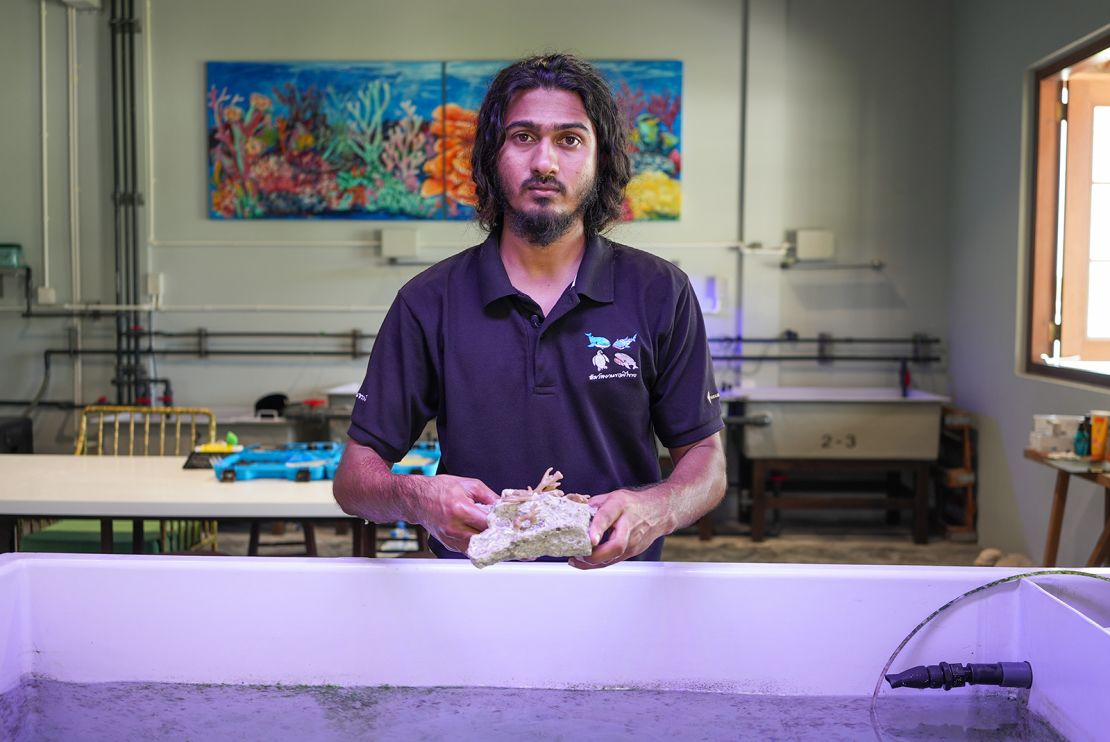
(621, 358)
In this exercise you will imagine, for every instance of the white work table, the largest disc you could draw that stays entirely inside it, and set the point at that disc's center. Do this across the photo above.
(57, 486)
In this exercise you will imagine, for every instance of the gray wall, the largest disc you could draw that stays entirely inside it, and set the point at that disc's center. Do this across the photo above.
(996, 42)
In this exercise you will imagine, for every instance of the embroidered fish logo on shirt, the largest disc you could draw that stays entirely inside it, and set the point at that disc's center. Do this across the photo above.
(597, 342)
(624, 343)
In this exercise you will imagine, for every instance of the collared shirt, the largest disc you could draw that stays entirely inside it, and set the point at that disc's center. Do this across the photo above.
(621, 358)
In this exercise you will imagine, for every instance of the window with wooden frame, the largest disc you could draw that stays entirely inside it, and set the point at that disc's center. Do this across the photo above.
(1068, 294)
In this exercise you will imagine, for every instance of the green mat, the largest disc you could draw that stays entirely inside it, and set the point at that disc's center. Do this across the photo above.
(82, 536)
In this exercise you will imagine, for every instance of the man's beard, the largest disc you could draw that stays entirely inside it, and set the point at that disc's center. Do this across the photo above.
(543, 226)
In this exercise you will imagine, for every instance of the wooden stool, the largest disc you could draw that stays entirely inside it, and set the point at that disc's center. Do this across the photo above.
(309, 542)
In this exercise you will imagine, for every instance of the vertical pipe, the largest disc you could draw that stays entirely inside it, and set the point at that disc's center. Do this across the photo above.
(128, 195)
(116, 194)
(133, 154)
(129, 204)
(148, 183)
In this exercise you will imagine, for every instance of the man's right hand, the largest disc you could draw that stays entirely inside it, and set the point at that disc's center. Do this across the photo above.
(450, 509)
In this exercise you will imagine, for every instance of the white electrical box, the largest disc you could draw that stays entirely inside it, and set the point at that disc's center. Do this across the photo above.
(399, 243)
(155, 283)
(813, 244)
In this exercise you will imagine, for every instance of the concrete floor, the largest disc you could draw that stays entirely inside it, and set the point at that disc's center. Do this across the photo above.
(811, 538)
(794, 536)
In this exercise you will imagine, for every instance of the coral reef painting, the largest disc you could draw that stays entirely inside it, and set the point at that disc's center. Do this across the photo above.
(392, 140)
(649, 93)
(465, 85)
(322, 139)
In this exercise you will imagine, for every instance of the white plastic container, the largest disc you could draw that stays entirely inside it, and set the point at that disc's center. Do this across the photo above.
(1048, 443)
(1057, 425)
(769, 629)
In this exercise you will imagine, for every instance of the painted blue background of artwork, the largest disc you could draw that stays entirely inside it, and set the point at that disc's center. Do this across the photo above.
(655, 77)
(419, 82)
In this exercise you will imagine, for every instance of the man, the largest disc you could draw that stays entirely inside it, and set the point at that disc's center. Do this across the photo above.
(546, 345)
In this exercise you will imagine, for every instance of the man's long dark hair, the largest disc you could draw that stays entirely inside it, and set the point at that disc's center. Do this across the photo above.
(562, 72)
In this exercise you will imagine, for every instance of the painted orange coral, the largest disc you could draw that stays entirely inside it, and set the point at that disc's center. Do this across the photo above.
(448, 170)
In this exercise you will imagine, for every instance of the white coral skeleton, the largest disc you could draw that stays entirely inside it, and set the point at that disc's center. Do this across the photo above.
(549, 484)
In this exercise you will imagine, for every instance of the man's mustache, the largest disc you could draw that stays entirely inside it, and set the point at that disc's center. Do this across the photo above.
(543, 181)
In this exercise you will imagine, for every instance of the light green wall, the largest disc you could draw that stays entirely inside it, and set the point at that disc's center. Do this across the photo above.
(849, 131)
(895, 123)
(291, 264)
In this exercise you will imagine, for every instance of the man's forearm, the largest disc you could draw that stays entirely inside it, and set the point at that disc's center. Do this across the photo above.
(697, 483)
(365, 487)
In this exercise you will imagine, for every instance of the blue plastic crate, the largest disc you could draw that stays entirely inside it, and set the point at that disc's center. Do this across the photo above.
(427, 452)
(300, 462)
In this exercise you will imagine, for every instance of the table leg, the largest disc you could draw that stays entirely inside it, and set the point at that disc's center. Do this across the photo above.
(364, 539)
(7, 533)
(759, 500)
(309, 537)
(106, 536)
(1102, 549)
(921, 504)
(893, 489)
(370, 540)
(705, 527)
(1056, 519)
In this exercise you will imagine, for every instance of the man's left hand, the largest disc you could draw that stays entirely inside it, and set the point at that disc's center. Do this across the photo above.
(633, 519)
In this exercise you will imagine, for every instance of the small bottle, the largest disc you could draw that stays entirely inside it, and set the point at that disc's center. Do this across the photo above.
(1083, 438)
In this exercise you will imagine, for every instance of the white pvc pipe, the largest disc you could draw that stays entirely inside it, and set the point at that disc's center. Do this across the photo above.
(212, 308)
(456, 244)
(74, 164)
(107, 307)
(265, 243)
(320, 308)
(45, 192)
